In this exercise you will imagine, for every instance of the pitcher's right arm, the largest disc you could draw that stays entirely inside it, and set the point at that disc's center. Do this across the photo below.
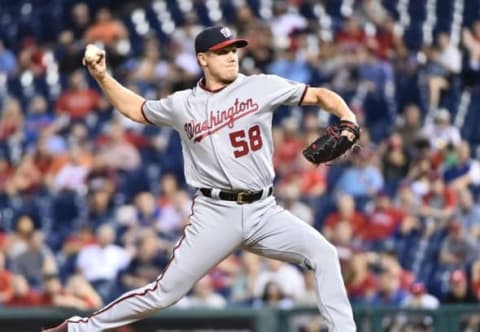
(124, 100)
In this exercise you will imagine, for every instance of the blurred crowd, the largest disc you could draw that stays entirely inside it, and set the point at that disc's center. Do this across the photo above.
(91, 204)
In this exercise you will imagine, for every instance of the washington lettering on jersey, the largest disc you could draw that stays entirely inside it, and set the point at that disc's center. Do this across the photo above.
(219, 119)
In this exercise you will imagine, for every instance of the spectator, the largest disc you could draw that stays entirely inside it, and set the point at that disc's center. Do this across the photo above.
(345, 211)
(31, 57)
(17, 241)
(117, 152)
(439, 202)
(106, 29)
(6, 281)
(73, 174)
(204, 297)
(363, 178)
(389, 291)
(445, 60)
(409, 125)
(464, 172)
(274, 297)
(33, 262)
(475, 277)
(8, 60)
(146, 265)
(148, 213)
(102, 262)
(80, 19)
(86, 298)
(360, 281)
(382, 220)
(457, 248)
(460, 292)
(78, 100)
(11, 121)
(394, 161)
(38, 119)
(23, 295)
(467, 212)
(285, 276)
(441, 132)
(419, 298)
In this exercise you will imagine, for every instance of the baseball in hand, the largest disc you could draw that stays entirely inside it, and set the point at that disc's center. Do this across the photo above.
(92, 53)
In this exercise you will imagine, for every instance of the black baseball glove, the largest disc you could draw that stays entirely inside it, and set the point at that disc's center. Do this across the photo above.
(332, 144)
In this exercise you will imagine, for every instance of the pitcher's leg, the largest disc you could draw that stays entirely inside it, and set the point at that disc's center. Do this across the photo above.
(206, 242)
(284, 237)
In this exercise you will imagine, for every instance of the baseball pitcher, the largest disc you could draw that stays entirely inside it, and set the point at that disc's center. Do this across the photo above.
(225, 125)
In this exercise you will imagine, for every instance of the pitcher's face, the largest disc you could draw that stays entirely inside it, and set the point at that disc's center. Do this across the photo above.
(221, 65)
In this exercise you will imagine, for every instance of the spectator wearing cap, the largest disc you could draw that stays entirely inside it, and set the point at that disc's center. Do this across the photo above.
(460, 292)
(419, 298)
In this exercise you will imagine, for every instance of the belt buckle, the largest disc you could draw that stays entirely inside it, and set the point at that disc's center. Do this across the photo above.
(241, 197)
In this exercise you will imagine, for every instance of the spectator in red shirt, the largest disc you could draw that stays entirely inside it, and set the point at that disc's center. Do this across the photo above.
(287, 147)
(351, 35)
(345, 211)
(440, 201)
(360, 281)
(6, 286)
(23, 295)
(382, 220)
(78, 100)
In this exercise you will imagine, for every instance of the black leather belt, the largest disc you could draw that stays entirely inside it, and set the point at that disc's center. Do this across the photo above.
(241, 197)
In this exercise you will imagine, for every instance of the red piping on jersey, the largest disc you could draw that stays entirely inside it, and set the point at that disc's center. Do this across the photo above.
(204, 87)
(303, 95)
(145, 292)
(143, 113)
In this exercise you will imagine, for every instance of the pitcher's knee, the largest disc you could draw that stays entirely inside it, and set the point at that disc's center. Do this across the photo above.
(166, 297)
(323, 255)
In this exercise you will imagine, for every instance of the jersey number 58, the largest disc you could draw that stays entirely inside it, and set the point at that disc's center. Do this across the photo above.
(243, 144)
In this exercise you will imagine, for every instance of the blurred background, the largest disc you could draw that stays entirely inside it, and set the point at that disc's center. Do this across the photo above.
(91, 204)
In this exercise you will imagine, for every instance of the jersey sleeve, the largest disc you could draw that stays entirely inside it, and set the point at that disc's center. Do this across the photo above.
(285, 92)
(159, 112)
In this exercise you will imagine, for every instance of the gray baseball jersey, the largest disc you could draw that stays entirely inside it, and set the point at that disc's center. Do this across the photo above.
(227, 135)
(227, 144)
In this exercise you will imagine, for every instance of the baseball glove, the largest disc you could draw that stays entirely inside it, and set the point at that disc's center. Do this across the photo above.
(332, 144)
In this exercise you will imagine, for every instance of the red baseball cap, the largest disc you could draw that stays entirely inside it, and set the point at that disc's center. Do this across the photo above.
(417, 288)
(215, 38)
